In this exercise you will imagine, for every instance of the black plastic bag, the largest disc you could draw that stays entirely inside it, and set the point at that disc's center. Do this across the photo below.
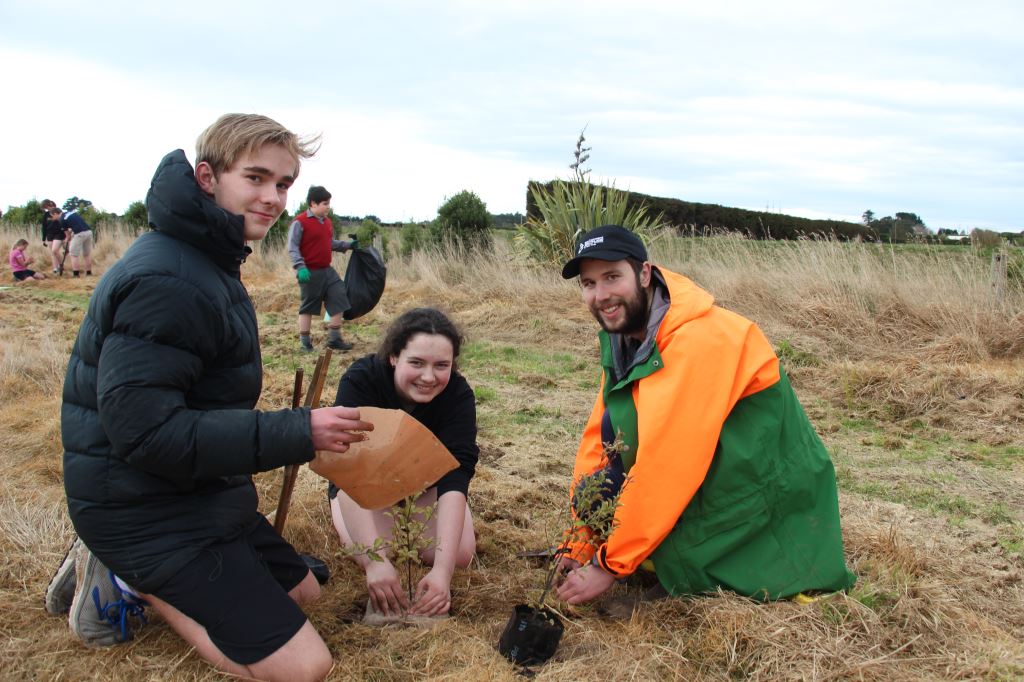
(531, 635)
(364, 280)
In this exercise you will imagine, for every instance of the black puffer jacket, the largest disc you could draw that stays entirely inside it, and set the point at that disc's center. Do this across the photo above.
(159, 430)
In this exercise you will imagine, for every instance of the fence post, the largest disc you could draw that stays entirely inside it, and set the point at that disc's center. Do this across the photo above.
(998, 277)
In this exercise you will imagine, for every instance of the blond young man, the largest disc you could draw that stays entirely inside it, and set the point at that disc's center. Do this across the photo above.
(161, 435)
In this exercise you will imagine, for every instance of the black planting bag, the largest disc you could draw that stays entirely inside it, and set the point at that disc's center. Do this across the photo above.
(364, 281)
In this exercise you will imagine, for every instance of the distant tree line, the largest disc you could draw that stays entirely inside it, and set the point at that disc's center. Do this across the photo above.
(690, 217)
(465, 217)
(31, 213)
(507, 221)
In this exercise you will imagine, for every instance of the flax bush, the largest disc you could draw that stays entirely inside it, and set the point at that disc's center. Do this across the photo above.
(571, 207)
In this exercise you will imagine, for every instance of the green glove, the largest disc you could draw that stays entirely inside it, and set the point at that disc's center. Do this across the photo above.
(302, 275)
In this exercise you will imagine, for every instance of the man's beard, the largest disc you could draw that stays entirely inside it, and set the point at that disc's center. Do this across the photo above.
(635, 318)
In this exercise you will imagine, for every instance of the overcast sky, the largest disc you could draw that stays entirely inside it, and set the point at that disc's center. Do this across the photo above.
(819, 109)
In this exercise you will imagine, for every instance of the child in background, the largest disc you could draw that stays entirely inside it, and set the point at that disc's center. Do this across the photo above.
(311, 243)
(53, 235)
(79, 236)
(20, 262)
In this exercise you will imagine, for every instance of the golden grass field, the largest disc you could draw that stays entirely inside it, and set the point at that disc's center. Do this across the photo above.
(912, 374)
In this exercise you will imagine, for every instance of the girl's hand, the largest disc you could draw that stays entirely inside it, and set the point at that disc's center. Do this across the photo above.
(433, 595)
(386, 592)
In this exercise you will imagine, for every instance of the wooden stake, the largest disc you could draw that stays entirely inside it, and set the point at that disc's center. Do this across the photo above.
(291, 471)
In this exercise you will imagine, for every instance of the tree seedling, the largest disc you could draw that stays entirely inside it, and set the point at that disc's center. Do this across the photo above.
(532, 633)
(407, 540)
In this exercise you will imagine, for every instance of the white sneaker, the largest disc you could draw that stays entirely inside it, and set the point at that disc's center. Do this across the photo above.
(101, 612)
(61, 590)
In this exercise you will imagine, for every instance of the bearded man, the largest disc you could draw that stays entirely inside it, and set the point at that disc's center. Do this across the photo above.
(728, 485)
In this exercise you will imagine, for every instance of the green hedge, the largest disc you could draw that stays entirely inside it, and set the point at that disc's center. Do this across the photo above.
(690, 216)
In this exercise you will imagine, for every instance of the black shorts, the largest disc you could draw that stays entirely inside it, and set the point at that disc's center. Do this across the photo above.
(238, 591)
(324, 288)
(23, 274)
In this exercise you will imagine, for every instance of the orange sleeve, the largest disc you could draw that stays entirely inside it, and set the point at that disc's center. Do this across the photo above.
(710, 363)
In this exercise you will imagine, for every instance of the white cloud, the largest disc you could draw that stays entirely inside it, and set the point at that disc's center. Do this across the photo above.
(824, 106)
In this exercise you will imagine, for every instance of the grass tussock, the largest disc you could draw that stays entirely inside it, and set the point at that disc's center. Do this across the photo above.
(917, 392)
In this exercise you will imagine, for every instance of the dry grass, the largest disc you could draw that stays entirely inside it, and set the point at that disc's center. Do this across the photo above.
(872, 337)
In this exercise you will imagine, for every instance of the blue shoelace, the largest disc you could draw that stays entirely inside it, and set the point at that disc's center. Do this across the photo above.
(116, 613)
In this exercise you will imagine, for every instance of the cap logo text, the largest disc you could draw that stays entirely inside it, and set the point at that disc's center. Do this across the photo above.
(587, 244)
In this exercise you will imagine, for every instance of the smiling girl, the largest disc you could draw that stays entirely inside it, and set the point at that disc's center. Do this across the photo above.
(415, 370)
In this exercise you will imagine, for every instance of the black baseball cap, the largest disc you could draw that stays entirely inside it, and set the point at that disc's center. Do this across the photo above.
(608, 242)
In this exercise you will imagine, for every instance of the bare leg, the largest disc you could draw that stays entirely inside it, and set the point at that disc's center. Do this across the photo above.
(305, 322)
(467, 539)
(55, 247)
(303, 657)
(355, 524)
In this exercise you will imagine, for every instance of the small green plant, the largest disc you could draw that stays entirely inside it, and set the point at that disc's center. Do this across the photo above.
(407, 540)
(592, 522)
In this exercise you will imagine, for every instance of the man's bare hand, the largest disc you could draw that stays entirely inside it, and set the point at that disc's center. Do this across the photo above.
(585, 583)
(334, 428)
(567, 564)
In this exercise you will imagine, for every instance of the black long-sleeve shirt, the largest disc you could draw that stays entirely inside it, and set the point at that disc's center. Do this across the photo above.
(451, 416)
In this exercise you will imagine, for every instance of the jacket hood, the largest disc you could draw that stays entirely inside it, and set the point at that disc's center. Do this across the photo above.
(676, 301)
(687, 301)
(177, 207)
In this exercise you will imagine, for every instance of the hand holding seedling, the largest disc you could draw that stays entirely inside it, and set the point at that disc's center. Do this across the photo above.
(433, 594)
(385, 588)
(585, 583)
(595, 499)
(334, 428)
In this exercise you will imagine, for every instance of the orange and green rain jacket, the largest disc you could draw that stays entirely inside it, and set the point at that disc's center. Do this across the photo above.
(728, 484)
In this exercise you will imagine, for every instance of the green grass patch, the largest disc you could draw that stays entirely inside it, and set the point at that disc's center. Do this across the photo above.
(500, 422)
(873, 596)
(791, 356)
(997, 514)
(74, 299)
(997, 457)
(859, 424)
(926, 498)
(485, 394)
(1012, 542)
(517, 365)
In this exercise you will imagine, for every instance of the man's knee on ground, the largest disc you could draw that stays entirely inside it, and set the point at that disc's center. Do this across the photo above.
(303, 657)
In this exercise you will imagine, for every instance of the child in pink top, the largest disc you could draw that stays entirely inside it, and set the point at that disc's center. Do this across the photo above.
(20, 262)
